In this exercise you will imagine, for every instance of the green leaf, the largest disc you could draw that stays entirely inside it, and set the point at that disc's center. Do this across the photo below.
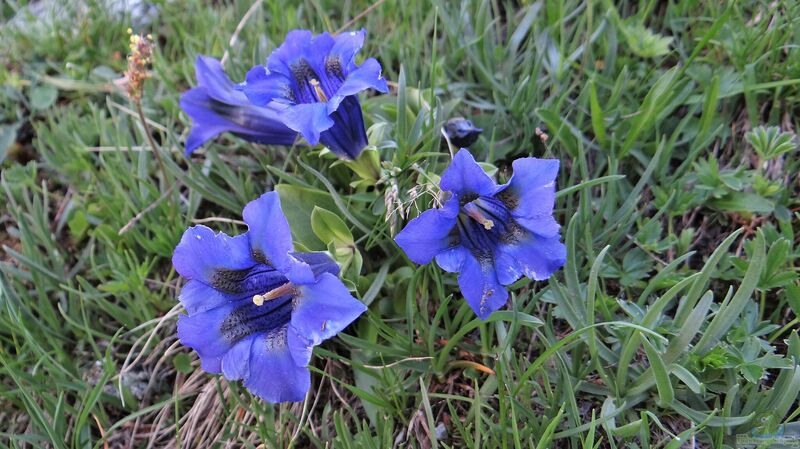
(792, 294)
(644, 43)
(547, 436)
(298, 204)
(561, 130)
(654, 103)
(665, 392)
(743, 202)
(770, 143)
(375, 287)
(784, 392)
(687, 378)
(709, 418)
(367, 166)
(329, 228)
(78, 224)
(699, 285)
(43, 96)
(729, 312)
(598, 118)
(751, 372)
(689, 328)
(114, 287)
(489, 168)
(709, 111)
(586, 184)
(183, 363)
(8, 135)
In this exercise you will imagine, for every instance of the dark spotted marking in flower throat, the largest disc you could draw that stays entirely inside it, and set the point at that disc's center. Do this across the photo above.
(453, 238)
(480, 240)
(509, 198)
(484, 257)
(303, 74)
(467, 198)
(260, 257)
(249, 318)
(514, 233)
(230, 281)
(235, 114)
(333, 66)
(289, 93)
(276, 339)
(257, 279)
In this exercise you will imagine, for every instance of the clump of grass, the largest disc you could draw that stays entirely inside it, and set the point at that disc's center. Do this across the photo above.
(674, 321)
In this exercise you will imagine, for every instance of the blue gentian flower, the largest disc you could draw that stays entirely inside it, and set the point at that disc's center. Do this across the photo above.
(216, 106)
(316, 81)
(491, 234)
(255, 307)
(461, 132)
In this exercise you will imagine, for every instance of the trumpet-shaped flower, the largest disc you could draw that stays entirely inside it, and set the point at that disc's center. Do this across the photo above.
(491, 234)
(461, 132)
(316, 81)
(216, 106)
(255, 307)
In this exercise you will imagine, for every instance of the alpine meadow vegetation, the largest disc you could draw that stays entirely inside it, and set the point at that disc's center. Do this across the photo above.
(399, 223)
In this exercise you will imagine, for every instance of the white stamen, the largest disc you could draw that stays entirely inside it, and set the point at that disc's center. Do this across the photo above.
(258, 300)
(318, 90)
(283, 290)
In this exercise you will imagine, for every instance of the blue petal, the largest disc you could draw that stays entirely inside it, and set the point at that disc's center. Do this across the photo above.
(271, 238)
(292, 48)
(461, 132)
(543, 226)
(300, 347)
(452, 259)
(347, 137)
(322, 310)
(201, 333)
(320, 263)
(262, 88)
(206, 124)
(429, 234)
(534, 256)
(274, 376)
(212, 78)
(216, 107)
(228, 286)
(532, 190)
(310, 120)
(214, 332)
(197, 297)
(200, 134)
(534, 172)
(346, 46)
(236, 362)
(300, 45)
(464, 177)
(480, 287)
(211, 118)
(507, 267)
(367, 76)
(201, 253)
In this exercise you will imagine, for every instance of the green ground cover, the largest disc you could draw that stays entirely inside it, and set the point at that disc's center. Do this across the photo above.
(672, 324)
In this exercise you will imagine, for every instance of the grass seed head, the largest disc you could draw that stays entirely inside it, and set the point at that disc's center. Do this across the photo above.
(139, 58)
